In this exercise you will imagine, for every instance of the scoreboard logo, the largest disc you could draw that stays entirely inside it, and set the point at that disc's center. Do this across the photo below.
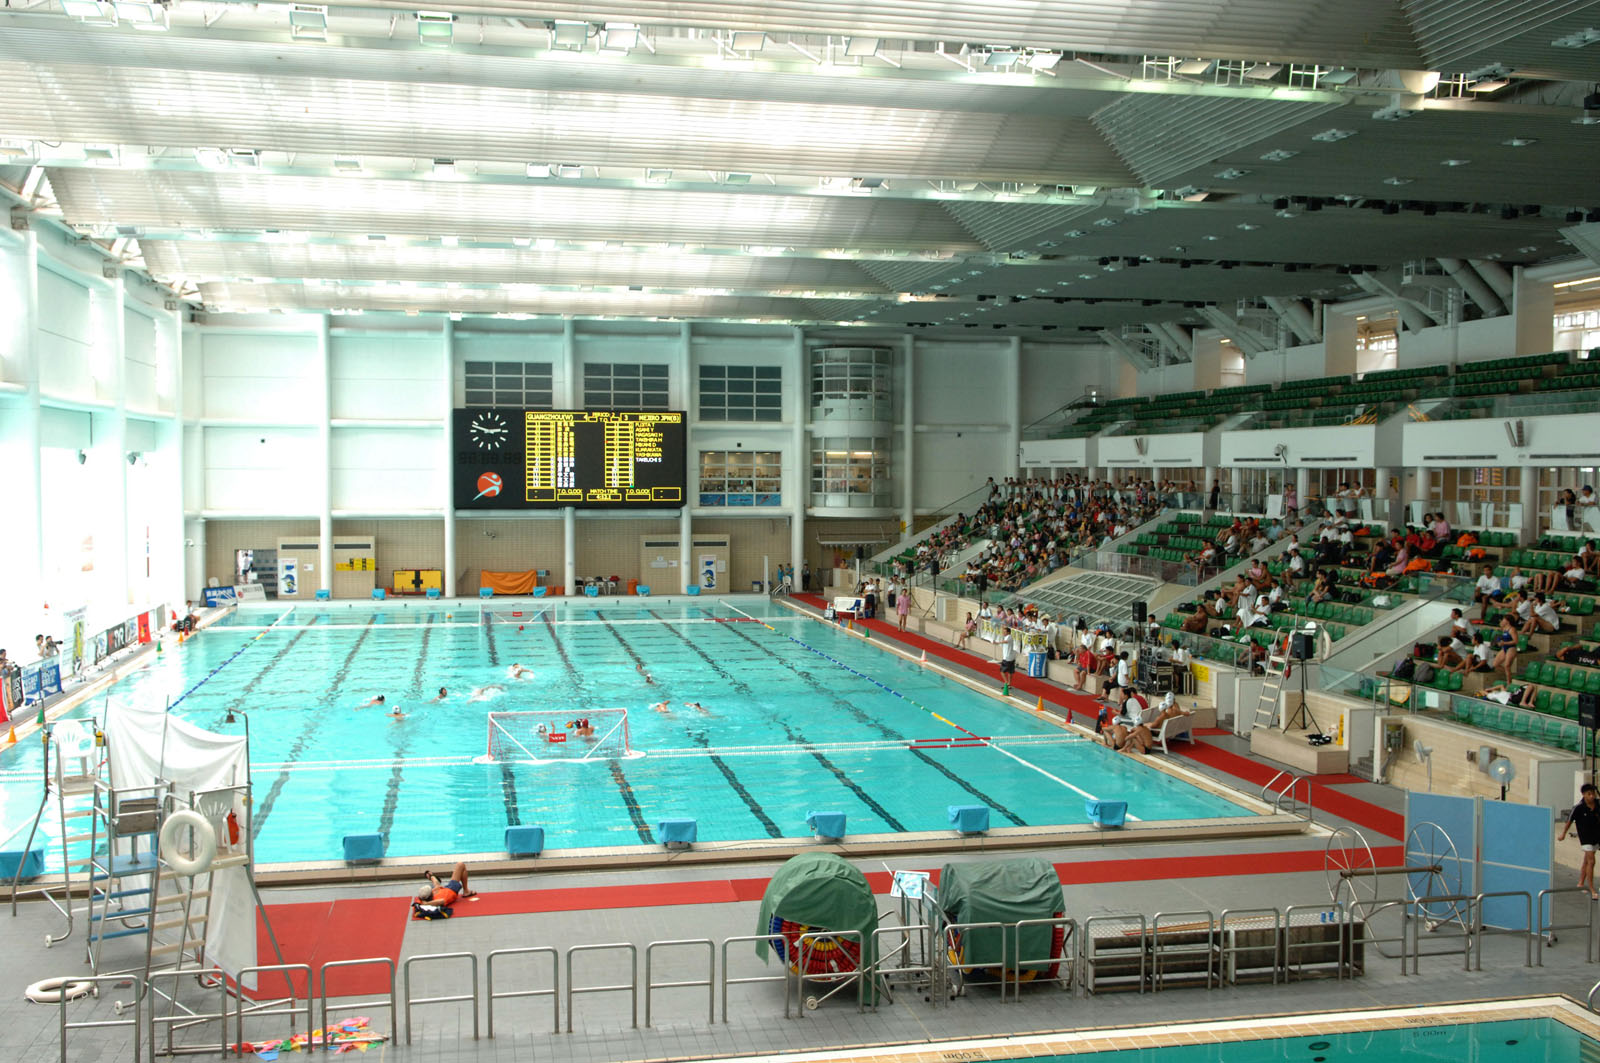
(489, 485)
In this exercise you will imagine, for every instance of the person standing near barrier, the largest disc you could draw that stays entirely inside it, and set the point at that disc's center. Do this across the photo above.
(902, 609)
(1585, 816)
(1008, 663)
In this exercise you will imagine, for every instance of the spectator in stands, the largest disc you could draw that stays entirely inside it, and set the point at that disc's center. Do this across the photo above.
(967, 630)
(1441, 529)
(1446, 657)
(1519, 581)
(1545, 617)
(1216, 494)
(1488, 593)
(1522, 697)
(1204, 559)
(1291, 500)
(1083, 666)
(1579, 654)
(1322, 590)
(1294, 567)
(1589, 557)
(1569, 502)
(1460, 626)
(1482, 659)
(1257, 574)
(1575, 578)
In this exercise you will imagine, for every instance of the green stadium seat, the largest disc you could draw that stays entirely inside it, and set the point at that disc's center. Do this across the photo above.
(1521, 726)
(1541, 701)
(1591, 681)
(1561, 678)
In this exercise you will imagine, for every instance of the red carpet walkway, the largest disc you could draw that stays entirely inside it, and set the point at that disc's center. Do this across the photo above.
(1323, 797)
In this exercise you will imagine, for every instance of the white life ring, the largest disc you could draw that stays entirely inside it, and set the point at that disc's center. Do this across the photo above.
(55, 990)
(205, 843)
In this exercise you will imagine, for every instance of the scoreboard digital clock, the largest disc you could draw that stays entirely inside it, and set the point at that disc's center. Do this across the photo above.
(546, 459)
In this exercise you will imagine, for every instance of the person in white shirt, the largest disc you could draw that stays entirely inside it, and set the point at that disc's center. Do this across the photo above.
(1482, 659)
(1259, 616)
(1519, 580)
(1488, 592)
(1460, 626)
(1124, 670)
(1545, 617)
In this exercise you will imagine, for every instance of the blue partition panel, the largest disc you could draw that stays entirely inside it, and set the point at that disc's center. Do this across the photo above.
(1518, 852)
(1457, 818)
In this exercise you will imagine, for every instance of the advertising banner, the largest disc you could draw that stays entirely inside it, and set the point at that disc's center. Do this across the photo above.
(144, 628)
(288, 577)
(215, 596)
(50, 678)
(77, 637)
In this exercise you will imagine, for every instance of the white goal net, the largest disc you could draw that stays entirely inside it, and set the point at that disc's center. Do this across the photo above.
(570, 734)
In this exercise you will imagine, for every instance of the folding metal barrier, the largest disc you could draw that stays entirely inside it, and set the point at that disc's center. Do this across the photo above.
(752, 979)
(360, 1005)
(806, 947)
(1182, 940)
(1336, 919)
(405, 975)
(1246, 937)
(1548, 929)
(1066, 961)
(1481, 931)
(1108, 962)
(1417, 911)
(554, 992)
(181, 1016)
(1363, 911)
(948, 938)
(288, 970)
(710, 981)
(95, 981)
(632, 988)
(885, 973)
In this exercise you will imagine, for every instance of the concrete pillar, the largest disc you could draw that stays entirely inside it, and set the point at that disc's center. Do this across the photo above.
(1338, 344)
(908, 434)
(110, 450)
(797, 478)
(1533, 308)
(324, 384)
(1014, 420)
(1528, 495)
(686, 571)
(447, 441)
(194, 561)
(1236, 481)
(569, 548)
(569, 401)
(1302, 486)
(1473, 284)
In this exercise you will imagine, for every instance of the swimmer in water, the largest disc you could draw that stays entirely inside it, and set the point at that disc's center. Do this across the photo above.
(485, 693)
(516, 671)
(697, 707)
(648, 678)
(396, 714)
(663, 707)
(375, 700)
(442, 695)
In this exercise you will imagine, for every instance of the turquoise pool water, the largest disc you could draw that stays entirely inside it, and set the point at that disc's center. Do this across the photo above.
(1507, 1041)
(796, 715)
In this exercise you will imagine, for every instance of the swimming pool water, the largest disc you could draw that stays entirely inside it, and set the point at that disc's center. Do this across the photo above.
(1506, 1041)
(323, 767)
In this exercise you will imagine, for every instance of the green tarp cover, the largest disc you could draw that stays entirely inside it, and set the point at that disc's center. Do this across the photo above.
(1001, 891)
(824, 891)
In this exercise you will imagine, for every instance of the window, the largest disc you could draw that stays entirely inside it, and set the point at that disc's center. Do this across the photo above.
(851, 375)
(850, 471)
(514, 385)
(624, 386)
(741, 478)
(1377, 343)
(741, 393)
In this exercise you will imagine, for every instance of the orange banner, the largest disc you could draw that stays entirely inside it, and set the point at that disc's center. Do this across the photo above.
(508, 582)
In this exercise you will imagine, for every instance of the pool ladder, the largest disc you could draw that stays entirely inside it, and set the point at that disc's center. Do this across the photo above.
(1274, 794)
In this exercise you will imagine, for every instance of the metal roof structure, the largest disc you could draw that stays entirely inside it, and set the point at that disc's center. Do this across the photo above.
(1028, 165)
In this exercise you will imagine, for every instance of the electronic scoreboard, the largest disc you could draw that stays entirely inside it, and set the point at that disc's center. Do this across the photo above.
(539, 459)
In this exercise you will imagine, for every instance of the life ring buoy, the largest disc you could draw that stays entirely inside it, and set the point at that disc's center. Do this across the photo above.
(205, 843)
(55, 990)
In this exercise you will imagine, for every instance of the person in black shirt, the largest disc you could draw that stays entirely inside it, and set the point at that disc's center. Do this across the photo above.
(1586, 817)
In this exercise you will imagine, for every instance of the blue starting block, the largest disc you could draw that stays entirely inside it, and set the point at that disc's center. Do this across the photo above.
(433, 592)
(694, 590)
(485, 592)
(363, 848)
(827, 825)
(379, 594)
(31, 864)
(1104, 814)
(969, 819)
(540, 592)
(678, 833)
(642, 591)
(323, 595)
(524, 841)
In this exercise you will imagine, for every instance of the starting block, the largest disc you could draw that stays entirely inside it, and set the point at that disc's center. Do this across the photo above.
(363, 848)
(969, 819)
(524, 841)
(828, 826)
(678, 833)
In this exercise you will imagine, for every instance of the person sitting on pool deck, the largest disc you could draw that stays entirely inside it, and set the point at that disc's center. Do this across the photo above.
(444, 894)
(376, 699)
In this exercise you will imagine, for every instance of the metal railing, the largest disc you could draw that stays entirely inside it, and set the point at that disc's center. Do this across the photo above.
(744, 939)
(554, 992)
(1548, 928)
(709, 981)
(95, 982)
(405, 971)
(284, 1007)
(359, 1005)
(631, 987)
(179, 1017)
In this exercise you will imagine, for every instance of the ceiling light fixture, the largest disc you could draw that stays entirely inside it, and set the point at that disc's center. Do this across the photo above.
(861, 47)
(435, 28)
(1520, 142)
(657, 174)
(1398, 181)
(211, 158)
(1488, 84)
(1001, 58)
(1581, 39)
(1454, 162)
(1263, 71)
(141, 14)
(569, 35)
(444, 167)
(346, 164)
(568, 170)
(748, 40)
(1194, 67)
(1043, 60)
(1279, 155)
(308, 22)
(1329, 136)
(736, 178)
(89, 10)
(539, 170)
(619, 36)
(1232, 173)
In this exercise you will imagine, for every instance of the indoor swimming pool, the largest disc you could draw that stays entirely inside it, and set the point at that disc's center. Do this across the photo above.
(741, 714)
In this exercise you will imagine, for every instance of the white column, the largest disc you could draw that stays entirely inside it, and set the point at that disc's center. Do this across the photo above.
(447, 476)
(686, 569)
(1302, 486)
(1529, 496)
(798, 476)
(569, 515)
(1236, 483)
(908, 434)
(22, 536)
(1014, 420)
(169, 555)
(325, 448)
(115, 447)
(194, 560)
